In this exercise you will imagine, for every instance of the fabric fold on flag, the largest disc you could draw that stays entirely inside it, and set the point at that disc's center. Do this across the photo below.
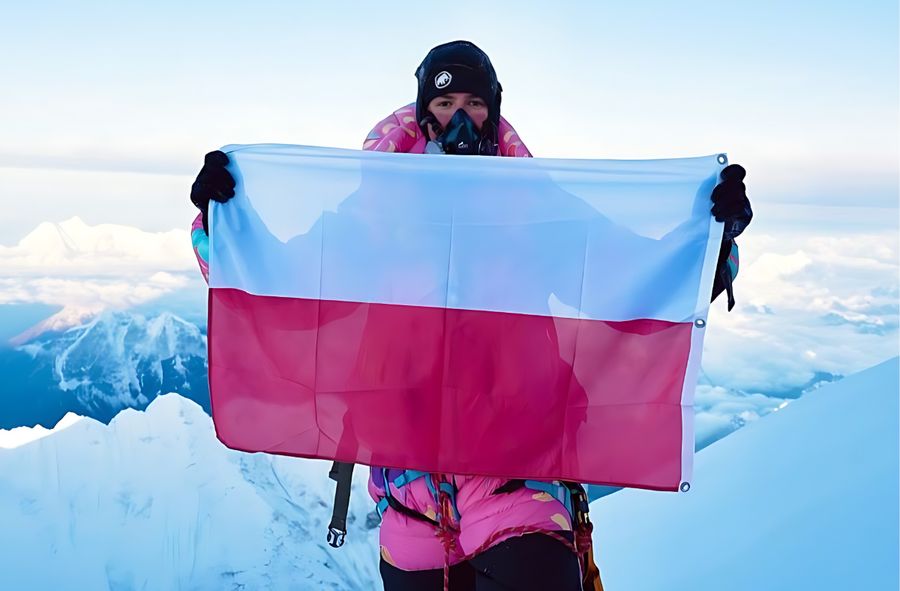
(523, 318)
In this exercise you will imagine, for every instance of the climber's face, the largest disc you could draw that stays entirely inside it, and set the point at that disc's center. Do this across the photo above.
(444, 106)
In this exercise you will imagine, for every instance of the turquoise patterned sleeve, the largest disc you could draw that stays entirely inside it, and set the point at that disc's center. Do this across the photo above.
(726, 271)
(733, 260)
(200, 242)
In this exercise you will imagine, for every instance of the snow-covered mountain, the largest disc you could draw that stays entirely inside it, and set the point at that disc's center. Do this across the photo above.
(115, 361)
(805, 498)
(154, 501)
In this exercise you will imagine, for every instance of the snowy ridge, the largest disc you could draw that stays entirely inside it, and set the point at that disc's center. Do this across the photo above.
(805, 498)
(155, 501)
(10, 438)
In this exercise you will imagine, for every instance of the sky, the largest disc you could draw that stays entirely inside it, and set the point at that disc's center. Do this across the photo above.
(110, 106)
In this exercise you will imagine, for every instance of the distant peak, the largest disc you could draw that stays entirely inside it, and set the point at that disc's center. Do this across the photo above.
(19, 436)
(75, 221)
(68, 317)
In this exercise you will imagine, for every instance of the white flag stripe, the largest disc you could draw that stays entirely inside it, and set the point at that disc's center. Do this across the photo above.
(593, 239)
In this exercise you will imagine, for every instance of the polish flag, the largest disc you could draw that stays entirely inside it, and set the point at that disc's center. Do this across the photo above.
(512, 317)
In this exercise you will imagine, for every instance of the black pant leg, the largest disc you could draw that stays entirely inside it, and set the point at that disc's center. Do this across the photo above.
(462, 578)
(533, 562)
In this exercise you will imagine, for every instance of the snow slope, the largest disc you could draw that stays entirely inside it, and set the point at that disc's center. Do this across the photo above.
(155, 501)
(806, 498)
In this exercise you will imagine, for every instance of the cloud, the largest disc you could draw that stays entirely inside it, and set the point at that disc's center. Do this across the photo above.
(719, 411)
(79, 156)
(810, 307)
(86, 269)
(89, 292)
(75, 248)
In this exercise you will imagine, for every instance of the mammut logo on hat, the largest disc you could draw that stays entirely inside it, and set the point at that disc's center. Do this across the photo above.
(443, 79)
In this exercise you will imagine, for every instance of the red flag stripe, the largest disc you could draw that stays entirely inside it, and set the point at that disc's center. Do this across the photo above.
(433, 389)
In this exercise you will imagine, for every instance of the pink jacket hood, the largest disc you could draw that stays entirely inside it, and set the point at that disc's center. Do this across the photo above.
(399, 132)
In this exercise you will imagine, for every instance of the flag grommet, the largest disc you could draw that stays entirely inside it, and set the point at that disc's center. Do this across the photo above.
(700, 323)
(722, 159)
(685, 486)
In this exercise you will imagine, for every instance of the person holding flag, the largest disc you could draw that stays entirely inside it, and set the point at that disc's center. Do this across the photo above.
(465, 532)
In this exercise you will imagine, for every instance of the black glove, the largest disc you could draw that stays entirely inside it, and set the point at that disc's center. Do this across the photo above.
(214, 182)
(730, 203)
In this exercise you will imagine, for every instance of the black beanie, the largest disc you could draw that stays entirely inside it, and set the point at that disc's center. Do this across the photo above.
(458, 66)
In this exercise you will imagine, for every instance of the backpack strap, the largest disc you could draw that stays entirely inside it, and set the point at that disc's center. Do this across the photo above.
(342, 474)
(557, 489)
(389, 500)
(406, 477)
